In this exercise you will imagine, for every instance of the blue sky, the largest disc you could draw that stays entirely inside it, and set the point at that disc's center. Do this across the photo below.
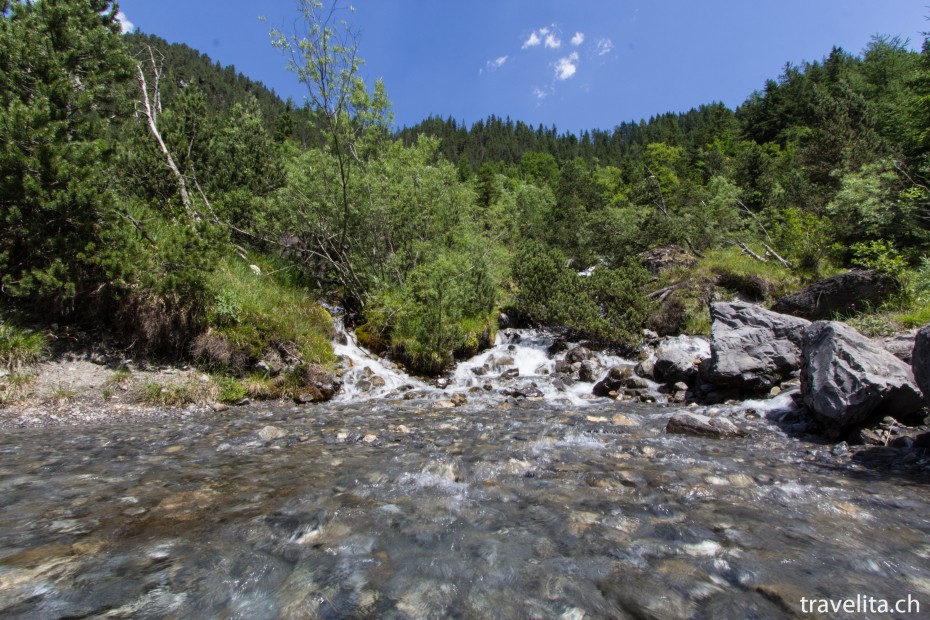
(577, 64)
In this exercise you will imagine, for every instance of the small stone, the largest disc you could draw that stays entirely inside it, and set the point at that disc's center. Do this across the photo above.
(621, 420)
(271, 433)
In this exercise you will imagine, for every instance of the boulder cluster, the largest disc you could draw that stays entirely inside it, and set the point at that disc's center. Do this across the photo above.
(846, 381)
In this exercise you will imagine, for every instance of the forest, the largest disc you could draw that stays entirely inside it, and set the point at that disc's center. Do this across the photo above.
(152, 194)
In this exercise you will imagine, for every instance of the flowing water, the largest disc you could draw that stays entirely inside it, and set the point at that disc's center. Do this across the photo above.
(553, 507)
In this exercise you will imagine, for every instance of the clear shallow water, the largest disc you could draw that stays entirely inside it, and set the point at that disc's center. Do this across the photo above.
(406, 510)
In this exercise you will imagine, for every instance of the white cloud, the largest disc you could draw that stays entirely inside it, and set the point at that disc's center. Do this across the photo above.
(533, 41)
(604, 46)
(543, 35)
(497, 63)
(539, 93)
(578, 39)
(124, 23)
(566, 66)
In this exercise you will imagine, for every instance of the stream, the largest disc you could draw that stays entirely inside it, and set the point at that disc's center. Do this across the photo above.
(390, 503)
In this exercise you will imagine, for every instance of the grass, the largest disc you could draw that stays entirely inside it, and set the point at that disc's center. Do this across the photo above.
(177, 394)
(259, 306)
(21, 347)
(15, 386)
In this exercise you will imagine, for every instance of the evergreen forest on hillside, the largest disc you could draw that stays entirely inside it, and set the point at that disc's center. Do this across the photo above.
(148, 192)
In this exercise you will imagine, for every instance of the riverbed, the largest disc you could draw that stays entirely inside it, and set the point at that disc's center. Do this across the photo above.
(409, 509)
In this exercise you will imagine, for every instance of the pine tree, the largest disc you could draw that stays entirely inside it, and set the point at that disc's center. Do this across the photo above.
(62, 68)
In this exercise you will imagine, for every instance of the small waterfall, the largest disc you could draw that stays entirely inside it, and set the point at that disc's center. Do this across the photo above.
(520, 363)
(367, 375)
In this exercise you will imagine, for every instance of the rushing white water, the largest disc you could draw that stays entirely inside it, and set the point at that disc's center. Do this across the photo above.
(519, 362)
(367, 375)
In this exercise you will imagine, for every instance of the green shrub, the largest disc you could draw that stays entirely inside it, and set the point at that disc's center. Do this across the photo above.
(609, 305)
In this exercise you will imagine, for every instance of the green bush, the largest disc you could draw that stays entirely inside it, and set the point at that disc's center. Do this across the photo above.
(609, 305)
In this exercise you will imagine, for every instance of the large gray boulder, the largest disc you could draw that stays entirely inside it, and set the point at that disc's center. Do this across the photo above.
(839, 294)
(752, 348)
(920, 360)
(847, 380)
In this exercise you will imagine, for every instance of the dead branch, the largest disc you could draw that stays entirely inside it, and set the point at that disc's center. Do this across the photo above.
(151, 102)
(774, 254)
(748, 251)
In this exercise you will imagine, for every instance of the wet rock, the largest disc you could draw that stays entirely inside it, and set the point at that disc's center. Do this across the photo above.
(842, 293)
(587, 373)
(563, 368)
(498, 361)
(685, 423)
(270, 433)
(753, 348)
(921, 361)
(511, 373)
(613, 382)
(846, 380)
(646, 368)
(526, 391)
(459, 399)
(578, 354)
(678, 359)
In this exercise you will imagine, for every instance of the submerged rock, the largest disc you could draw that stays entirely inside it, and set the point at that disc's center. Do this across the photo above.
(684, 423)
(846, 380)
(753, 348)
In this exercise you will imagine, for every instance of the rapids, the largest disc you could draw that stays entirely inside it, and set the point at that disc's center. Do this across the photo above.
(562, 506)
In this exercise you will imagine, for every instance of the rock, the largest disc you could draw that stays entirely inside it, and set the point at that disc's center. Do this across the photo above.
(846, 380)
(684, 423)
(459, 399)
(646, 368)
(843, 293)
(753, 348)
(678, 359)
(659, 260)
(308, 395)
(587, 373)
(921, 361)
(578, 354)
(901, 345)
(270, 433)
(527, 391)
(613, 382)
(511, 373)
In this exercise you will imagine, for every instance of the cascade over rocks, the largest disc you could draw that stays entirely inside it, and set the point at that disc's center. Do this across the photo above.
(921, 361)
(838, 294)
(846, 380)
(753, 348)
